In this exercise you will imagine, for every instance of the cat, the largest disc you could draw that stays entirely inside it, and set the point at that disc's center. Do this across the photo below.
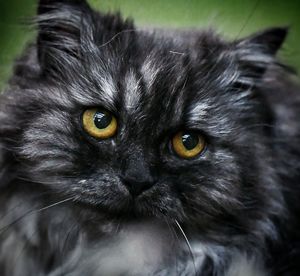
(127, 151)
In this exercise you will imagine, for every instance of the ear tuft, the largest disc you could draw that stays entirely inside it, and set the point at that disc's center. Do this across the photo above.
(70, 32)
(269, 41)
(59, 27)
(256, 53)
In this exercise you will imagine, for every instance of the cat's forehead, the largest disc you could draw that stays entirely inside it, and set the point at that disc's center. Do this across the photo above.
(164, 83)
(160, 85)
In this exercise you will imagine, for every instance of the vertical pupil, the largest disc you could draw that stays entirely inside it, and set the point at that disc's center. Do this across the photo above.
(102, 119)
(190, 141)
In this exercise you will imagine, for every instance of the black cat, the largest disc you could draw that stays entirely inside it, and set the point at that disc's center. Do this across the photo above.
(134, 152)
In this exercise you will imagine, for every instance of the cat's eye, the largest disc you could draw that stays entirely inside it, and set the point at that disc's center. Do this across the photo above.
(99, 123)
(188, 144)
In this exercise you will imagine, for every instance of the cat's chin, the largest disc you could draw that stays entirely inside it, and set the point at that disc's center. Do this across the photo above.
(134, 210)
(145, 207)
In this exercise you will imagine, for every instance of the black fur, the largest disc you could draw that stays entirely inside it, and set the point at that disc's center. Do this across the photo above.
(65, 208)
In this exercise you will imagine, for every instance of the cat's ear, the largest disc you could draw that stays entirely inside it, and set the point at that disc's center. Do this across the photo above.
(267, 42)
(69, 31)
(257, 52)
(59, 25)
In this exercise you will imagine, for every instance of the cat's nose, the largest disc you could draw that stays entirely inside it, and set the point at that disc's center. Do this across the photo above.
(137, 176)
(136, 187)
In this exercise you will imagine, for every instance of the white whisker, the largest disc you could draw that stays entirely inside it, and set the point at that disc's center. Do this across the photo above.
(3, 229)
(188, 244)
(54, 204)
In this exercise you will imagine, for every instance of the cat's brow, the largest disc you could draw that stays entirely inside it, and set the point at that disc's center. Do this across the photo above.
(132, 91)
(149, 71)
(102, 92)
(198, 111)
(109, 89)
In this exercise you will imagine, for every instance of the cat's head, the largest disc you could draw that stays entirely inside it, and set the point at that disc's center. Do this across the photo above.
(144, 124)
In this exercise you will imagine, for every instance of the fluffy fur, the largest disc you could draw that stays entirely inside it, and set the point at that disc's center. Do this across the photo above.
(65, 210)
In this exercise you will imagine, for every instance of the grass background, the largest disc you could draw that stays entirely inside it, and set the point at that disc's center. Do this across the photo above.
(233, 18)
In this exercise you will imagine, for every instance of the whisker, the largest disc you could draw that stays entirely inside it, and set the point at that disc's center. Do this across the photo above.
(188, 244)
(54, 204)
(118, 227)
(5, 228)
(10, 210)
(35, 181)
(174, 234)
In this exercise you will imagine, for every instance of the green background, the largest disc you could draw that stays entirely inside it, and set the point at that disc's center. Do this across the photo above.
(232, 18)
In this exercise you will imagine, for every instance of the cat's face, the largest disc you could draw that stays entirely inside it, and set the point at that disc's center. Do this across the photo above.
(191, 87)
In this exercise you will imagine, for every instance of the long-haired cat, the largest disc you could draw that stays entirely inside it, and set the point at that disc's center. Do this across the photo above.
(135, 152)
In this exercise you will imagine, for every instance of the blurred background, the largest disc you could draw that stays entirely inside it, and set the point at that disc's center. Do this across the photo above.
(232, 18)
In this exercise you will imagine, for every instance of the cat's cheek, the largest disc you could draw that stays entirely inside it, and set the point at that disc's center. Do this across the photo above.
(106, 193)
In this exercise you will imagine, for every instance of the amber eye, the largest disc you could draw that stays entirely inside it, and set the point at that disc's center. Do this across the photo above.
(99, 123)
(188, 144)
